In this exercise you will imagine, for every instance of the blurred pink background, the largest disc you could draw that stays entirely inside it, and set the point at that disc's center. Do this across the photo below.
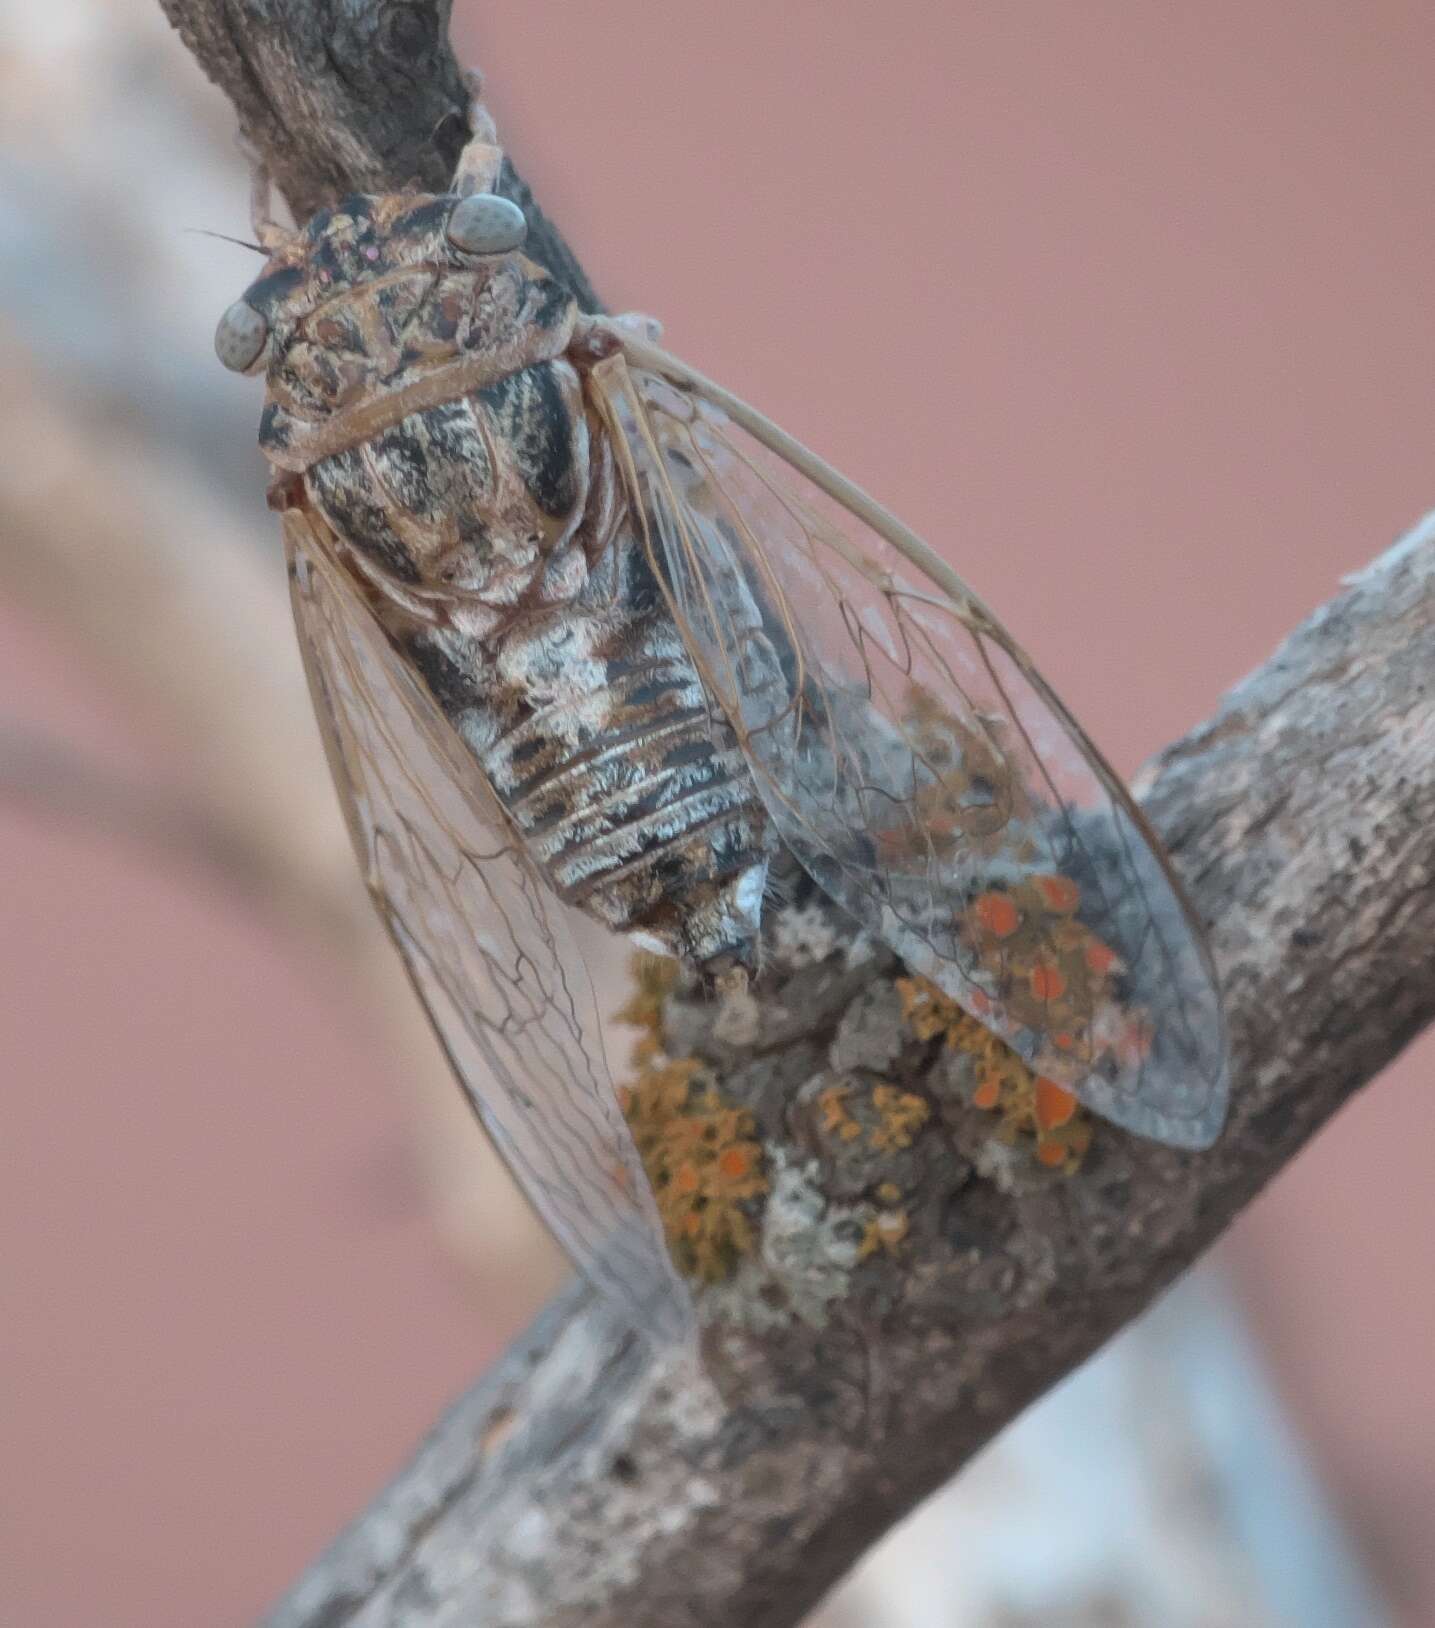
(1126, 308)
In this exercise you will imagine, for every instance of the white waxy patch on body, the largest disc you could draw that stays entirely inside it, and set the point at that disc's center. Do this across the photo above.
(748, 895)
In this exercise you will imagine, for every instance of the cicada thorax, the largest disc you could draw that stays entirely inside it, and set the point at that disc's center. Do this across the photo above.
(503, 559)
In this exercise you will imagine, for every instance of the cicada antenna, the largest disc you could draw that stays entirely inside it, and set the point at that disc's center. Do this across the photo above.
(481, 161)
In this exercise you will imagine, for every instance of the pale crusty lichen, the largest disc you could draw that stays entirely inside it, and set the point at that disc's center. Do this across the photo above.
(803, 935)
(1033, 1112)
(810, 1246)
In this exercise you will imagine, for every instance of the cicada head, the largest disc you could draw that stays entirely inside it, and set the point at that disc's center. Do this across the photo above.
(381, 297)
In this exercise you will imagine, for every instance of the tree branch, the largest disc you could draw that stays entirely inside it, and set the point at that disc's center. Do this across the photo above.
(344, 96)
(593, 1480)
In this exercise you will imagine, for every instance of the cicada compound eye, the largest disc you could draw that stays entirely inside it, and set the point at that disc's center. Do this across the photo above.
(484, 223)
(240, 338)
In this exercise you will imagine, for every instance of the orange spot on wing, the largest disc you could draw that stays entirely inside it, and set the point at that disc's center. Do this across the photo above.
(1054, 1105)
(1059, 893)
(1100, 957)
(1047, 983)
(1051, 1153)
(686, 1178)
(997, 914)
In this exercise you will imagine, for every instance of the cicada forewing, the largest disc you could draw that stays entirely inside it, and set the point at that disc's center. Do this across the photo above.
(492, 953)
(913, 759)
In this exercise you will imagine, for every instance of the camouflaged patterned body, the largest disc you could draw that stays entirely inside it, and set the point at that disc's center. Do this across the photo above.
(433, 413)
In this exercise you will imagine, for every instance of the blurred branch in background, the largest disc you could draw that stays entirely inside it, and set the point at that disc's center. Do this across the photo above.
(1155, 1488)
(743, 1514)
(44, 776)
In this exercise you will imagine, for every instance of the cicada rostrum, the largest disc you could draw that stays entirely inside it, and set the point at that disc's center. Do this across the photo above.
(587, 633)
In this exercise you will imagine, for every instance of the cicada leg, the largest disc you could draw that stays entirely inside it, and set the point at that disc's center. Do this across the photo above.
(268, 233)
(481, 161)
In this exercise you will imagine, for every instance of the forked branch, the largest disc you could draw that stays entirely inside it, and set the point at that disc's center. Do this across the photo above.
(591, 1480)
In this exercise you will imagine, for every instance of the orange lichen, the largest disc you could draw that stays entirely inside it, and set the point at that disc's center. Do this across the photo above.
(700, 1152)
(888, 1116)
(988, 1093)
(647, 1048)
(1058, 893)
(654, 977)
(1032, 1110)
(968, 799)
(703, 1162)
(886, 1231)
(900, 1115)
(997, 914)
(1047, 982)
(1054, 1105)
(836, 1117)
(1032, 957)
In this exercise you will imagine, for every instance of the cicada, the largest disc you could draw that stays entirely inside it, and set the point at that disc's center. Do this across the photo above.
(587, 633)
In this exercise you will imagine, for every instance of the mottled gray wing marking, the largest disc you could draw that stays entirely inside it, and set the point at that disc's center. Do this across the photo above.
(487, 946)
(917, 765)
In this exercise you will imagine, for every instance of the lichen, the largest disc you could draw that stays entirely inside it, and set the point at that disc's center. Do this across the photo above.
(1032, 1111)
(809, 1244)
(703, 1162)
(654, 979)
(885, 1230)
(834, 1115)
(699, 1151)
(886, 1116)
(900, 1115)
(802, 935)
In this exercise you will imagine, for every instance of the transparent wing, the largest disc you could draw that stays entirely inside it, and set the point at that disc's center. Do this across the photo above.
(483, 939)
(913, 759)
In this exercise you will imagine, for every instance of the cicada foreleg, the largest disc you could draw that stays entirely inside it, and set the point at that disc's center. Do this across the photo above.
(269, 234)
(481, 161)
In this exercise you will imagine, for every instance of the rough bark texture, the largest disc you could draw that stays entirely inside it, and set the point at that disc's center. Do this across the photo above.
(591, 1479)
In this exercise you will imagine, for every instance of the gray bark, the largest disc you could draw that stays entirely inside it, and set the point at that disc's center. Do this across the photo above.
(592, 1479)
